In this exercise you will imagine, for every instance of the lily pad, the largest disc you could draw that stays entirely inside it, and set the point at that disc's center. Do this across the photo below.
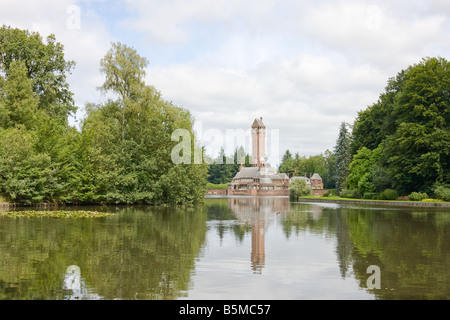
(55, 214)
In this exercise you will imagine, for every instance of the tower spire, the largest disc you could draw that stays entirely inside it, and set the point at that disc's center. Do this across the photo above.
(258, 143)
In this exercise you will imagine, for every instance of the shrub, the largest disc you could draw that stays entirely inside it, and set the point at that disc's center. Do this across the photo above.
(417, 196)
(329, 193)
(345, 193)
(354, 194)
(388, 194)
(370, 195)
(442, 193)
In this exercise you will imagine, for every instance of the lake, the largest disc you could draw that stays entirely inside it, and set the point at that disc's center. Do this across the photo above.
(230, 248)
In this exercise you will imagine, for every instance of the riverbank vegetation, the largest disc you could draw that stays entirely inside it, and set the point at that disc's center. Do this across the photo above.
(399, 199)
(397, 147)
(120, 154)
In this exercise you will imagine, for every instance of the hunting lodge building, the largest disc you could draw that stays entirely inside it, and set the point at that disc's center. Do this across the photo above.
(260, 179)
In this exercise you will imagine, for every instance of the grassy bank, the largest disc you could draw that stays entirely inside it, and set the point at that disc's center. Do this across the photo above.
(336, 199)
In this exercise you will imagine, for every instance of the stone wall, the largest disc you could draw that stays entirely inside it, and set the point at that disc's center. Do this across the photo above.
(319, 192)
(217, 192)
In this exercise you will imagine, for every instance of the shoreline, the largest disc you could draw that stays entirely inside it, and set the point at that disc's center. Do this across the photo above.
(6, 205)
(379, 202)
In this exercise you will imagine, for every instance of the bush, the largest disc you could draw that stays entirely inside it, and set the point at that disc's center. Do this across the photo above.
(417, 196)
(388, 194)
(442, 193)
(329, 193)
(354, 194)
(345, 193)
(370, 195)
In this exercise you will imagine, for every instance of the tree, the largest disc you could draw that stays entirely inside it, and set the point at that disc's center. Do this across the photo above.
(360, 170)
(329, 176)
(45, 65)
(26, 176)
(343, 154)
(124, 72)
(299, 188)
(34, 105)
(223, 169)
(18, 102)
(410, 123)
(417, 152)
(121, 155)
(287, 163)
(129, 140)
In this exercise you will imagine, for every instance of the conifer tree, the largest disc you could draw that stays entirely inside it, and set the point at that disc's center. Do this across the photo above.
(343, 155)
(18, 105)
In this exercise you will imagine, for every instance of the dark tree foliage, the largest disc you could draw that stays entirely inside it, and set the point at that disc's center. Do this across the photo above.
(411, 125)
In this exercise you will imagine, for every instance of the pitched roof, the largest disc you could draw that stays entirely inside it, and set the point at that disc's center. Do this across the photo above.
(247, 172)
(316, 176)
(258, 123)
(284, 175)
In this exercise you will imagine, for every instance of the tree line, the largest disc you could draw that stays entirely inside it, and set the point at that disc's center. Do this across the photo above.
(121, 153)
(223, 168)
(400, 145)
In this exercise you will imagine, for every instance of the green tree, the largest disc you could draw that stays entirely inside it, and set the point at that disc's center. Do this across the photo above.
(34, 105)
(299, 188)
(18, 102)
(45, 66)
(329, 176)
(26, 176)
(418, 152)
(124, 71)
(410, 123)
(287, 163)
(129, 140)
(361, 169)
(343, 154)
(223, 169)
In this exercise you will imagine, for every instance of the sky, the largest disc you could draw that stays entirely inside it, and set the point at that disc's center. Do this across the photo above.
(304, 66)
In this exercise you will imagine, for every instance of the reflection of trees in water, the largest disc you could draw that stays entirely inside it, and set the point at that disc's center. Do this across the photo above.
(150, 253)
(136, 254)
(410, 245)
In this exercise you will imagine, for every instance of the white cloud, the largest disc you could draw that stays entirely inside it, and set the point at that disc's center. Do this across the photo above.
(305, 97)
(379, 34)
(304, 66)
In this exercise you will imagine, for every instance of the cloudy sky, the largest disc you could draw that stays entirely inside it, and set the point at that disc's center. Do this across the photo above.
(304, 66)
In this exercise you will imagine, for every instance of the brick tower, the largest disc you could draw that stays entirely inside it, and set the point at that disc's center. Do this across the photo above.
(258, 143)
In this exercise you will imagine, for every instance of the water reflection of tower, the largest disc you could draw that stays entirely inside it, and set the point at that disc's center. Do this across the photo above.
(258, 255)
(258, 212)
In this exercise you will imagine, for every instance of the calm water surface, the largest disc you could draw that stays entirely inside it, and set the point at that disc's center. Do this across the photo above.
(230, 248)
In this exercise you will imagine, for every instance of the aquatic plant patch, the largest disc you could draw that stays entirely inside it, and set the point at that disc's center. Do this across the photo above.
(55, 214)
